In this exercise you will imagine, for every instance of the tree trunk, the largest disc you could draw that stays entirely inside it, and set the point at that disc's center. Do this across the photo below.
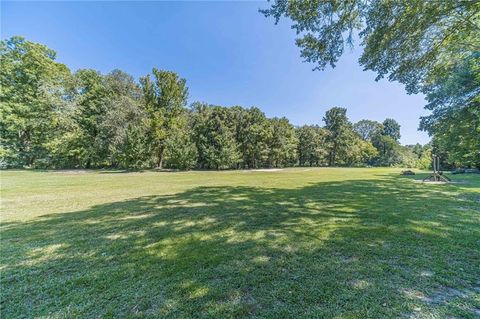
(333, 154)
(160, 157)
(31, 161)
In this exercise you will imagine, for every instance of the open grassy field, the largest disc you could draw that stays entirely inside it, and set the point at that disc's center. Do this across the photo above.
(296, 243)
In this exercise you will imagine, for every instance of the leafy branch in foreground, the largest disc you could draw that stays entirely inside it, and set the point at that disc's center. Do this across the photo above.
(429, 46)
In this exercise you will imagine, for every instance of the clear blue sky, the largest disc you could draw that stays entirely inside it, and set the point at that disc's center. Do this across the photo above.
(228, 52)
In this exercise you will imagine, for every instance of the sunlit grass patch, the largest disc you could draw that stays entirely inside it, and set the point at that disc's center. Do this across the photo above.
(325, 243)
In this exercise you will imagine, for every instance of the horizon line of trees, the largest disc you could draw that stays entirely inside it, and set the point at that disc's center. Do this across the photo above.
(53, 118)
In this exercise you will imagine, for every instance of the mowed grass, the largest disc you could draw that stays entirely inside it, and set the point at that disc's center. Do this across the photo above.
(296, 243)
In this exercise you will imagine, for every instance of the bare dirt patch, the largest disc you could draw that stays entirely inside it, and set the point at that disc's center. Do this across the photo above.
(440, 182)
(443, 295)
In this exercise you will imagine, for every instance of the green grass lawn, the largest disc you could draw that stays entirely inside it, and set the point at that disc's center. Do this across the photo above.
(296, 243)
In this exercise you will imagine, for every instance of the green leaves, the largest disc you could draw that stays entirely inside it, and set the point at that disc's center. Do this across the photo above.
(326, 27)
(366, 129)
(214, 135)
(429, 46)
(402, 39)
(391, 128)
(165, 98)
(180, 150)
(31, 84)
(282, 144)
(53, 119)
(339, 132)
(312, 148)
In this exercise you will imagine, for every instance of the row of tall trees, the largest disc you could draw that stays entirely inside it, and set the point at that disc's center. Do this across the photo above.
(53, 118)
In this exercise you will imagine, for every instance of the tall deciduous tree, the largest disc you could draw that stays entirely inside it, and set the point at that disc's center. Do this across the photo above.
(90, 96)
(429, 46)
(453, 93)
(165, 99)
(282, 144)
(458, 136)
(214, 136)
(366, 129)
(254, 132)
(180, 151)
(391, 128)
(388, 150)
(360, 152)
(32, 85)
(312, 146)
(123, 125)
(339, 132)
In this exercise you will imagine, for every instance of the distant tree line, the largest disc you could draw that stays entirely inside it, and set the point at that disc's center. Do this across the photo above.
(52, 118)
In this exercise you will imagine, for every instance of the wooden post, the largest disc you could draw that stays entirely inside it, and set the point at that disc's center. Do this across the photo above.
(438, 168)
(436, 176)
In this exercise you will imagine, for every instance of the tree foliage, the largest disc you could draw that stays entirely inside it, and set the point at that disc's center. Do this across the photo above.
(54, 119)
(165, 97)
(32, 85)
(391, 128)
(312, 148)
(339, 133)
(282, 144)
(366, 129)
(401, 39)
(215, 137)
(432, 47)
(453, 93)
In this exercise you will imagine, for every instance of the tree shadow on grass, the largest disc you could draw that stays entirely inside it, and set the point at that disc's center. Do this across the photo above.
(360, 248)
